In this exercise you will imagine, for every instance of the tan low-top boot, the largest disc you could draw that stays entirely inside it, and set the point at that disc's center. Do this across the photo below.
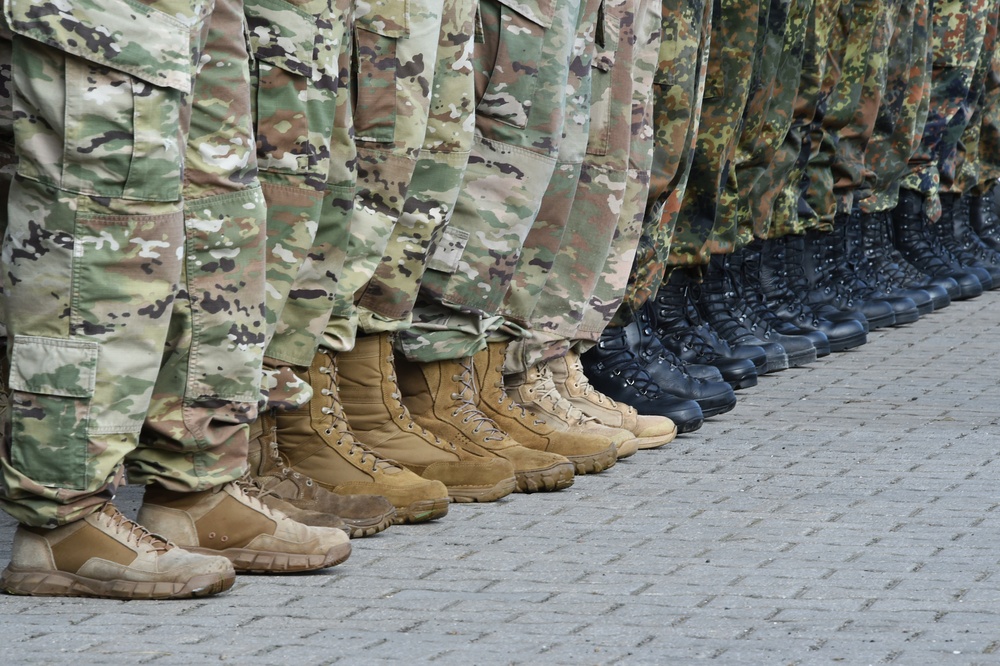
(230, 522)
(366, 378)
(588, 453)
(299, 497)
(107, 555)
(535, 390)
(317, 441)
(441, 396)
(650, 431)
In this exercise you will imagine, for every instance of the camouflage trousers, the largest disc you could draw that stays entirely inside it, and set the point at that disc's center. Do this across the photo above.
(521, 71)
(677, 92)
(903, 109)
(386, 302)
(589, 272)
(975, 163)
(958, 31)
(306, 312)
(545, 238)
(295, 79)
(712, 188)
(763, 165)
(133, 291)
(802, 138)
(836, 169)
(395, 55)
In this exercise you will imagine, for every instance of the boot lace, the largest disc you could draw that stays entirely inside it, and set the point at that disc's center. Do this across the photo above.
(403, 412)
(545, 388)
(134, 533)
(622, 362)
(338, 422)
(467, 407)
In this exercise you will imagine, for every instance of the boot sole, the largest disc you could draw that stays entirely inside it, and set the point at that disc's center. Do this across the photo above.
(709, 410)
(64, 584)
(557, 477)
(804, 357)
(627, 448)
(646, 443)
(246, 560)
(595, 462)
(906, 317)
(482, 493)
(850, 342)
(422, 511)
(746, 381)
(358, 529)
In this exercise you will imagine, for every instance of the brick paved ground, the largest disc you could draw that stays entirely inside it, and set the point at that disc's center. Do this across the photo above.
(842, 513)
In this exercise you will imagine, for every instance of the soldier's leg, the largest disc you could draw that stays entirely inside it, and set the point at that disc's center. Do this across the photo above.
(81, 384)
(395, 55)
(110, 227)
(295, 77)
(616, 166)
(958, 33)
(519, 127)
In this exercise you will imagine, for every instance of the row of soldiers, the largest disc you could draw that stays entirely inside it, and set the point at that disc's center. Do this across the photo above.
(312, 267)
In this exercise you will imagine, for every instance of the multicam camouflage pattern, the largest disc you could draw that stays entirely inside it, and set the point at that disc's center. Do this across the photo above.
(678, 90)
(621, 77)
(961, 171)
(903, 110)
(396, 51)
(295, 76)
(310, 299)
(521, 70)
(605, 297)
(386, 302)
(958, 31)
(544, 239)
(158, 274)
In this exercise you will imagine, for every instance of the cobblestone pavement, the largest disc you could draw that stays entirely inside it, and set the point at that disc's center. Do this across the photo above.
(842, 513)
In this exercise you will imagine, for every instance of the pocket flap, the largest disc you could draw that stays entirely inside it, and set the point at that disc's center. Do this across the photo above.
(126, 36)
(282, 34)
(54, 366)
(389, 18)
(537, 11)
(608, 31)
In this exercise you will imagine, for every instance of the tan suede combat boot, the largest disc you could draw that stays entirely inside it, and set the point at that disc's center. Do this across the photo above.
(588, 453)
(535, 390)
(317, 441)
(107, 555)
(230, 522)
(366, 377)
(283, 488)
(650, 431)
(441, 396)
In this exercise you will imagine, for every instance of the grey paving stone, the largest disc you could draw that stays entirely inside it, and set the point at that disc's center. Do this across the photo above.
(846, 512)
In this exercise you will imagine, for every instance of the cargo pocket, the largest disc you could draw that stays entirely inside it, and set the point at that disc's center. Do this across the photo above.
(114, 103)
(602, 77)
(510, 80)
(52, 381)
(295, 83)
(678, 55)
(223, 257)
(448, 251)
(375, 69)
